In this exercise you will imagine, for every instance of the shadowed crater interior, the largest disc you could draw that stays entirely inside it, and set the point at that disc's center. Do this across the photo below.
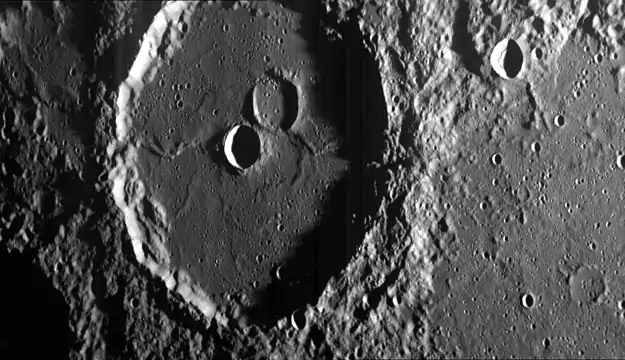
(513, 60)
(242, 146)
(34, 314)
(354, 100)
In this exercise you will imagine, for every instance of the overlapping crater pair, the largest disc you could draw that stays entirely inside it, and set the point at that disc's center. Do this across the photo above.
(271, 106)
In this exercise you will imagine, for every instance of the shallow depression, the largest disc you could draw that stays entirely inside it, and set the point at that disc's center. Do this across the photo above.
(275, 102)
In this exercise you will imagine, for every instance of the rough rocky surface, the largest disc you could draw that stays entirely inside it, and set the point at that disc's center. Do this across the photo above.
(434, 179)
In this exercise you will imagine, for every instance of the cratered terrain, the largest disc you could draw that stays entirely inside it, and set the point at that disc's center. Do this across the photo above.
(299, 179)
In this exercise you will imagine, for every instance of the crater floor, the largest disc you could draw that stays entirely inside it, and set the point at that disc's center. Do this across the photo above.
(312, 179)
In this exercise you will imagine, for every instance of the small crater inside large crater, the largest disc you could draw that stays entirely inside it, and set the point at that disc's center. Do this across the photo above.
(587, 285)
(284, 189)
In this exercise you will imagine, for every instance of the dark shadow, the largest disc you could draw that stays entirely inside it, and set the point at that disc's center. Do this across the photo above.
(586, 25)
(214, 150)
(247, 111)
(70, 192)
(112, 306)
(34, 314)
(216, 340)
(13, 5)
(108, 299)
(513, 61)
(496, 21)
(87, 20)
(246, 146)
(291, 102)
(539, 25)
(350, 94)
(34, 324)
(117, 59)
(462, 42)
(89, 17)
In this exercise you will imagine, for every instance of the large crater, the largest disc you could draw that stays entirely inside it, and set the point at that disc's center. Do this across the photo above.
(304, 111)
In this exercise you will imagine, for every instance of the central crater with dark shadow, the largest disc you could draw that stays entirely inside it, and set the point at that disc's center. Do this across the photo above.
(282, 228)
(242, 147)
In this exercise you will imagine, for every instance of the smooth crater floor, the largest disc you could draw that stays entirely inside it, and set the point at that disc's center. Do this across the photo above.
(232, 229)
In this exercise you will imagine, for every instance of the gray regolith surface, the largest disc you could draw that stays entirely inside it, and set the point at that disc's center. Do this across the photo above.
(433, 179)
